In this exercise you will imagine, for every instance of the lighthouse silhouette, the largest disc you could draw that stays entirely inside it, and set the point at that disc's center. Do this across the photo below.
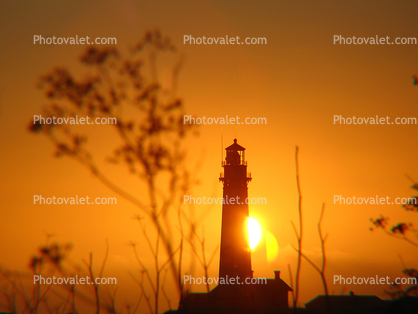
(242, 294)
(235, 259)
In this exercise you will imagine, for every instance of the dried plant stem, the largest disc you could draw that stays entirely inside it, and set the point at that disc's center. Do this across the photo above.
(299, 235)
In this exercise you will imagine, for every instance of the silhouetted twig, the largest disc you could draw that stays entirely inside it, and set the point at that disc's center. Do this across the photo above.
(298, 235)
(321, 270)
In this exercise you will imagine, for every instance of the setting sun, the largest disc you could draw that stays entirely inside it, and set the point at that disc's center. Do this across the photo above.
(209, 156)
(254, 232)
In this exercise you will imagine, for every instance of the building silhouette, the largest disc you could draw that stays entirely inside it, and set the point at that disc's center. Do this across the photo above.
(346, 304)
(244, 295)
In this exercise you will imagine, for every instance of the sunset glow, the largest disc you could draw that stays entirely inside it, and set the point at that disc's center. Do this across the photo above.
(272, 247)
(254, 232)
(117, 117)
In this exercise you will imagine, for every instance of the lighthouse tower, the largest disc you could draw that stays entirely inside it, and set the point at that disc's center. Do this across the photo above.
(235, 259)
(269, 296)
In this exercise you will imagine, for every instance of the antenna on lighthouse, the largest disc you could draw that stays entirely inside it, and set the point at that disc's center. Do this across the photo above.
(222, 149)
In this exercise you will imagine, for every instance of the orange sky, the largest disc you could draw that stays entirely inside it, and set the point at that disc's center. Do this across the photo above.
(298, 82)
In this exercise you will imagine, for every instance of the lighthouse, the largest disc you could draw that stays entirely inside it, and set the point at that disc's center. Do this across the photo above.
(235, 254)
(243, 294)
